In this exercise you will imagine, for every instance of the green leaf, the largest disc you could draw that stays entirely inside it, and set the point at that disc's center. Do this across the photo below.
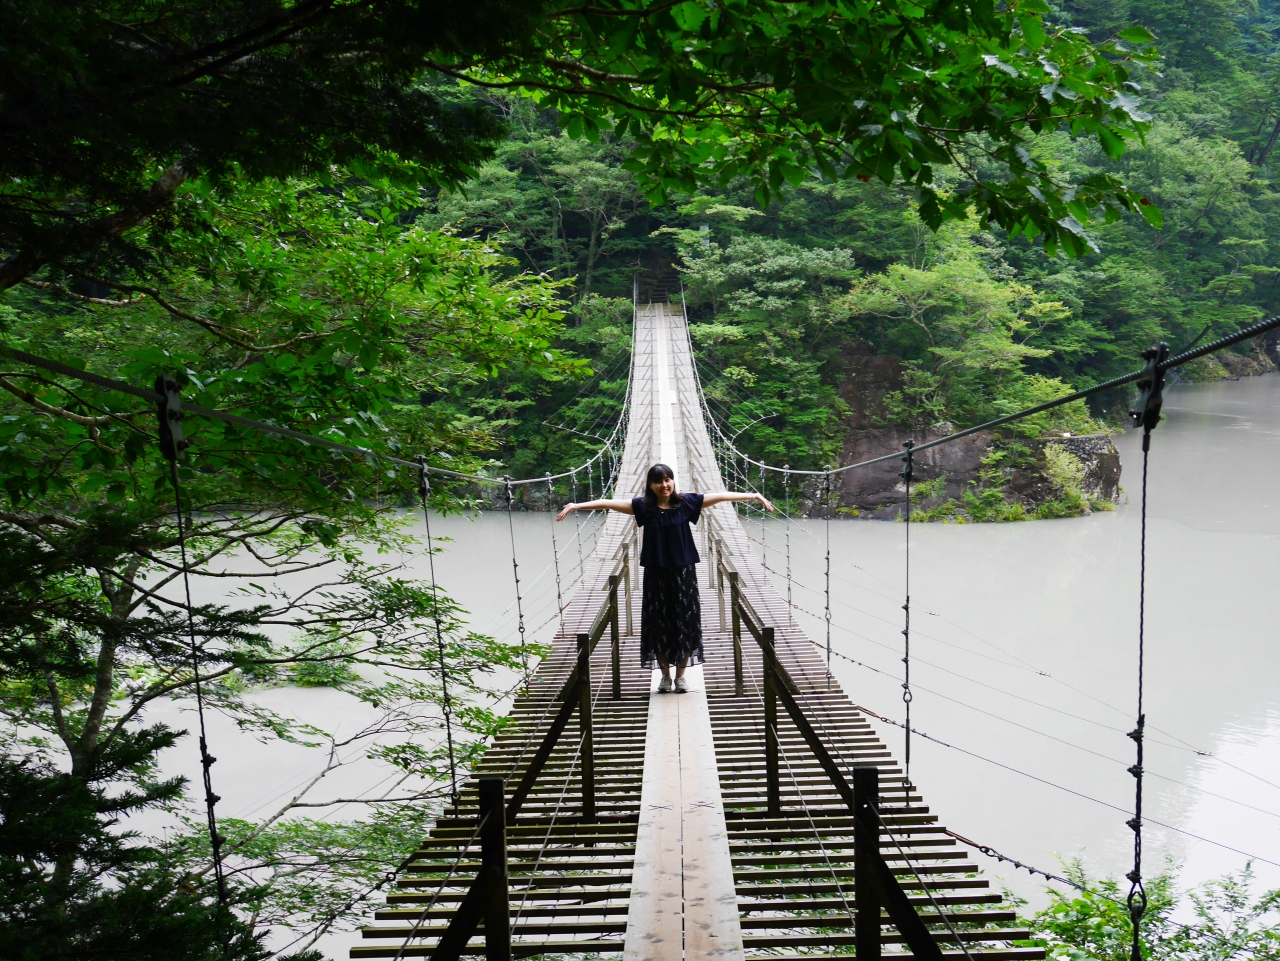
(689, 16)
(1112, 144)
(1136, 34)
(1032, 31)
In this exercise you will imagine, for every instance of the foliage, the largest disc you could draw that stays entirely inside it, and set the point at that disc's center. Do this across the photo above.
(73, 885)
(1226, 920)
(771, 91)
(108, 109)
(323, 293)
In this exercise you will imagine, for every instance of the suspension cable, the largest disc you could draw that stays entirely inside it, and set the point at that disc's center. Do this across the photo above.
(172, 445)
(786, 512)
(907, 696)
(929, 894)
(422, 915)
(826, 513)
(577, 520)
(424, 491)
(555, 553)
(515, 570)
(1147, 416)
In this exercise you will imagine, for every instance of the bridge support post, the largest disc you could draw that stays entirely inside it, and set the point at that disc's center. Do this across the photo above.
(615, 652)
(866, 849)
(626, 583)
(493, 861)
(774, 787)
(720, 590)
(584, 726)
(737, 633)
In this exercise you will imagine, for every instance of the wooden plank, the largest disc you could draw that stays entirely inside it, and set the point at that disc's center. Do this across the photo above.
(711, 928)
(655, 924)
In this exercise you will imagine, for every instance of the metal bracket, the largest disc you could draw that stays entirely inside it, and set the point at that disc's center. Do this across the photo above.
(1146, 414)
(169, 411)
(907, 461)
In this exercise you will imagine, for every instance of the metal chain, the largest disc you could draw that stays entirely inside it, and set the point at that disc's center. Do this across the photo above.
(906, 629)
(446, 705)
(515, 570)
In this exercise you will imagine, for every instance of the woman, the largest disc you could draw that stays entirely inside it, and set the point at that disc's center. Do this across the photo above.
(671, 612)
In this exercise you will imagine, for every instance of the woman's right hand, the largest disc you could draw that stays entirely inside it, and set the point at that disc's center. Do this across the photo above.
(566, 511)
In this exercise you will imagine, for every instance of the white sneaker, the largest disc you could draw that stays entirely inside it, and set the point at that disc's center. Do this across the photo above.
(664, 685)
(681, 685)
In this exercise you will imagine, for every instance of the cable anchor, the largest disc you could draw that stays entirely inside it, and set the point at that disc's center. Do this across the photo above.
(169, 413)
(1146, 413)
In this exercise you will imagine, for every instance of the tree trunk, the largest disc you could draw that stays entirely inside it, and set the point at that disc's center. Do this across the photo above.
(26, 262)
(1271, 142)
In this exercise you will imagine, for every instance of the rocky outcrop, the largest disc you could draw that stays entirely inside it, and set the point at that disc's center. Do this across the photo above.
(979, 477)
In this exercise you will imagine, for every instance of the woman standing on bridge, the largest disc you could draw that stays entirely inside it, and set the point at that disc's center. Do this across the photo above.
(671, 611)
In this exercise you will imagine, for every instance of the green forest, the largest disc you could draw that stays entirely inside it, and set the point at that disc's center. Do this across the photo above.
(789, 298)
(415, 227)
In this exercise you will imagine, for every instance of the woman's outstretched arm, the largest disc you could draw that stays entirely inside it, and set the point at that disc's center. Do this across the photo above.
(622, 507)
(723, 496)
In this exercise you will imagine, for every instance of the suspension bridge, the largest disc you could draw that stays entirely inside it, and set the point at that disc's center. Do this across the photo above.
(758, 816)
(721, 823)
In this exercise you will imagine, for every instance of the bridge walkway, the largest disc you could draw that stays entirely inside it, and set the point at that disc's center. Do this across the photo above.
(681, 859)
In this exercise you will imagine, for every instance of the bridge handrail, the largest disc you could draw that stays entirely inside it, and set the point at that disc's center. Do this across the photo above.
(878, 887)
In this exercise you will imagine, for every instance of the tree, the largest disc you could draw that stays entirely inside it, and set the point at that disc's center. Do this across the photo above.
(1226, 920)
(317, 305)
(107, 108)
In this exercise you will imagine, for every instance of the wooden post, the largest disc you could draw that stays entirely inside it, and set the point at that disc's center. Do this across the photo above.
(493, 861)
(773, 787)
(720, 587)
(615, 651)
(866, 848)
(737, 633)
(626, 583)
(584, 726)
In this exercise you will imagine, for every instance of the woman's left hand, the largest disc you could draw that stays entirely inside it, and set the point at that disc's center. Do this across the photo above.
(764, 502)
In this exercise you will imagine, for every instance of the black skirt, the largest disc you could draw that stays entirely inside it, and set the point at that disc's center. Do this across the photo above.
(670, 617)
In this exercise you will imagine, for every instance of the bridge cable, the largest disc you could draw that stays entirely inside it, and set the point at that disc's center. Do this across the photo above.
(446, 706)
(929, 894)
(907, 696)
(577, 520)
(786, 488)
(555, 553)
(515, 570)
(763, 529)
(172, 444)
(422, 915)
(826, 497)
(1146, 416)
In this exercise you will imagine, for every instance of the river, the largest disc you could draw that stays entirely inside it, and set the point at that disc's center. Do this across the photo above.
(1024, 654)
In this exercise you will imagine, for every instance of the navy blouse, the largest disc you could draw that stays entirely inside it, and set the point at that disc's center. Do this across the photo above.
(668, 541)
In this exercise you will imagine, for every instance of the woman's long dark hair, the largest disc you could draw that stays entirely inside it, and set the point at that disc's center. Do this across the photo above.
(657, 474)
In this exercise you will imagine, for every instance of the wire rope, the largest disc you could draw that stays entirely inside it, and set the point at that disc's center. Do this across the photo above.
(425, 912)
(907, 695)
(826, 510)
(555, 553)
(424, 492)
(515, 570)
(929, 894)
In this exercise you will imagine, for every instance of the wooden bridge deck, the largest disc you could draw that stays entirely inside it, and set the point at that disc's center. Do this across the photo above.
(682, 859)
